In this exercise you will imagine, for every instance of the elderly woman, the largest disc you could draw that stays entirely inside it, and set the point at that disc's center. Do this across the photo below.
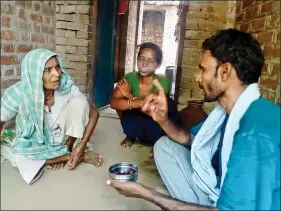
(51, 113)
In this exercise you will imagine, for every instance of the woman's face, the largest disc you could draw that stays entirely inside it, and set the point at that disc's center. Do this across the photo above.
(52, 74)
(147, 62)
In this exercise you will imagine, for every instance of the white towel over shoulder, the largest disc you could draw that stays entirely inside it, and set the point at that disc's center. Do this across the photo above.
(206, 142)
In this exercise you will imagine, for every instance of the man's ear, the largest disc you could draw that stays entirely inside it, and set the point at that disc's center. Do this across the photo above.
(225, 71)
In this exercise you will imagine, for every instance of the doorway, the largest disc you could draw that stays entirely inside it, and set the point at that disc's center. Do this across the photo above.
(151, 21)
(104, 52)
(120, 35)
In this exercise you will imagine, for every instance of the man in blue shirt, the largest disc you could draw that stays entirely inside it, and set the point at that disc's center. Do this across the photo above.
(230, 63)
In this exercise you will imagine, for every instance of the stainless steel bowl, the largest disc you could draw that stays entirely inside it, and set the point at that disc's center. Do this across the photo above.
(118, 168)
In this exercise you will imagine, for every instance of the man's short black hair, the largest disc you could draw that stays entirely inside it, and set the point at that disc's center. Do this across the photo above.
(155, 48)
(241, 50)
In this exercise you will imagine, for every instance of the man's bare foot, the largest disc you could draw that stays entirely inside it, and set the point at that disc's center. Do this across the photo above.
(127, 142)
(92, 158)
(57, 166)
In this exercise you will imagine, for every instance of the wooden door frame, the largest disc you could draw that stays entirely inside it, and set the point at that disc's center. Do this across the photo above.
(180, 49)
(117, 47)
(119, 69)
(92, 47)
(136, 35)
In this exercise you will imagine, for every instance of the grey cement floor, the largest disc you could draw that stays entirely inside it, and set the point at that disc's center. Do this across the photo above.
(85, 187)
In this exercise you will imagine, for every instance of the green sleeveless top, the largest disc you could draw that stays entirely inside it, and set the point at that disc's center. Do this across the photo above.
(133, 80)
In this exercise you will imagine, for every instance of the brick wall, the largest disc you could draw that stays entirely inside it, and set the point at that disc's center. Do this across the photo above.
(25, 25)
(153, 26)
(73, 36)
(262, 19)
(203, 20)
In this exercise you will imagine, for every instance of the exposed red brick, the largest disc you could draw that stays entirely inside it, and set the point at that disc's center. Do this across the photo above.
(240, 17)
(23, 48)
(37, 38)
(271, 51)
(5, 21)
(244, 27)
(277, 52)
(7, 35)
(265, 37)
(266, 7)
(246, 3)
(36, 17)
(262, 19)
(251, 12)
(265, 69)
(238, 7)
(21, 13)
(9, 60)
(267, 50)
(8, 47)
(258, 23)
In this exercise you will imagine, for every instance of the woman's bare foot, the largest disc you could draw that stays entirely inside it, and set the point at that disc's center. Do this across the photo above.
(127, 142)
(151, 154)
(57, 166)
(92, 158)
(69, 143)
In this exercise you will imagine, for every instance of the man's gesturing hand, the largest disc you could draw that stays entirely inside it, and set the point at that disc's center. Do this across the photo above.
(156, 104)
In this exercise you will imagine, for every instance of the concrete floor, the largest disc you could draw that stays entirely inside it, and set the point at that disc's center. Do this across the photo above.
(85, 187)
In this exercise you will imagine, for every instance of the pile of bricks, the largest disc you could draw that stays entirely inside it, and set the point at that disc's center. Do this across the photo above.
(25, 25)
(73, 39)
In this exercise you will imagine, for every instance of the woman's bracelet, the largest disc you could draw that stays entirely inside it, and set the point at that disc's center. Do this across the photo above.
(130, 101)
